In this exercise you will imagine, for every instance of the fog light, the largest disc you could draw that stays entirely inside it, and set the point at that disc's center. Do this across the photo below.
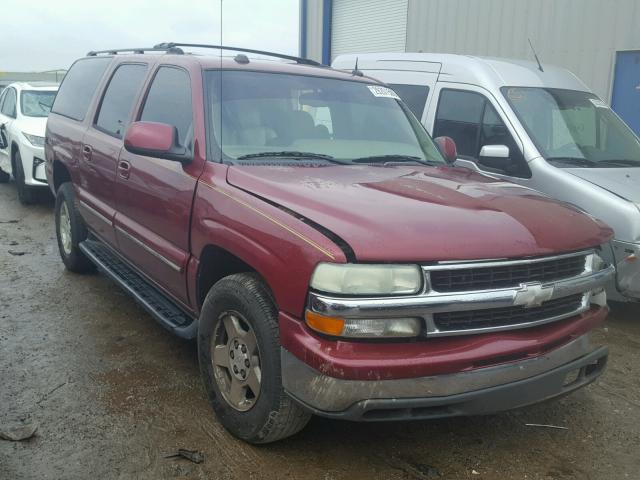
(364, 327)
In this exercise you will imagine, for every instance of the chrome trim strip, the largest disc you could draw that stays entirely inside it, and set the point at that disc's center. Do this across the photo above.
(425, 304)
(334, 394)
(95, 212)
(160, 257)
(462, 265)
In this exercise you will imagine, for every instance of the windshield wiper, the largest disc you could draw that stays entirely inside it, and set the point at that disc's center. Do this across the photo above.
(393, 158)
(621, 163)
(292, 154)
(579, 162)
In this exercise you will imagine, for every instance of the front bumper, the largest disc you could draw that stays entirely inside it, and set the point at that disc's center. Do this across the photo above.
(33, 164)
(627, 257)
(480, 391)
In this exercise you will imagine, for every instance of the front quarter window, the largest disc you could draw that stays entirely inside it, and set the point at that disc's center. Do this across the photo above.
(342, 121)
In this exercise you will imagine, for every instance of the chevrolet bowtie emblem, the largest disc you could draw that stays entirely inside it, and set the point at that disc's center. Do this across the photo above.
(533, 295)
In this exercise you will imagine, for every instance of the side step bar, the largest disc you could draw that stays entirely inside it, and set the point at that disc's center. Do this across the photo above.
(166, 312)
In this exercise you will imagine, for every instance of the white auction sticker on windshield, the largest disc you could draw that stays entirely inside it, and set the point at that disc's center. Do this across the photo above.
(385, 92)
(598, 103)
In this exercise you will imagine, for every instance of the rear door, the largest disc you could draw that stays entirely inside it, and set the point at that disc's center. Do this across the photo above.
(155, 195)
(102, 144)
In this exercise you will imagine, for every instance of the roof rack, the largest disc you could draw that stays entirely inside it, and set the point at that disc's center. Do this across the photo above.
(115, 51)
(304, 61)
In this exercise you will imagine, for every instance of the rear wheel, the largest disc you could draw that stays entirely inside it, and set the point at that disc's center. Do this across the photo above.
(239, 354)
(70, 231)
(26, 194)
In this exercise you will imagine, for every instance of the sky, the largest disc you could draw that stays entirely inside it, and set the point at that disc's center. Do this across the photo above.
(40, 35)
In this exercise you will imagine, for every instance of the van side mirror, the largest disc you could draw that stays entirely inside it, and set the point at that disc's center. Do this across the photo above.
(153, 139)
(495, 157)
(447, 148)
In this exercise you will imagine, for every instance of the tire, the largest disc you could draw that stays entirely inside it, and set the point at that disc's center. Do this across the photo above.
(271, 414)
(27, 195)
(73, 233)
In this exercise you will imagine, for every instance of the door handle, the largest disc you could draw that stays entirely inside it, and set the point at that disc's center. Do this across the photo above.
(87, 151)
(124, 168)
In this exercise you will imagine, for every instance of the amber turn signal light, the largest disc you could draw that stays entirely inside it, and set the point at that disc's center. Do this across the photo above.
(327, 325)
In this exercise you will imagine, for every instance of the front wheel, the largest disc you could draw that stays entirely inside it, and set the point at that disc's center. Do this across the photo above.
(70, 231)
(26, 194)
(239, 355)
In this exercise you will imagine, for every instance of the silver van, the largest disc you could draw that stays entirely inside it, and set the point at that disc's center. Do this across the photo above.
(535, 125)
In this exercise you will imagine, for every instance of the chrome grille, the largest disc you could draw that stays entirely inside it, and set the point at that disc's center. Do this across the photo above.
(513, 316)
(506, 275)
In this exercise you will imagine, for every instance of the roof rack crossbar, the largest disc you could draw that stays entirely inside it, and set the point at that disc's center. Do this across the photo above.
(115, 51)
(304, 61)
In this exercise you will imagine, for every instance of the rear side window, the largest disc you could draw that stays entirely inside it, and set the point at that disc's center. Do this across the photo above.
(119, 98)
(414, 96)
(78, 87)
(169, 101)
(9, 104)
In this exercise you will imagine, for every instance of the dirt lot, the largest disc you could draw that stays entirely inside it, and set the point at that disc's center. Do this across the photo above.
(113, 393)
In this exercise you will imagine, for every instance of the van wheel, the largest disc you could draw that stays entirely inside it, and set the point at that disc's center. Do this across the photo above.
(70, 231)
(239, 355)
(26, 195)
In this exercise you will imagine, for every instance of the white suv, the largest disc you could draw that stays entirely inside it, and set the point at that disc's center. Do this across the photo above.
(24, 108)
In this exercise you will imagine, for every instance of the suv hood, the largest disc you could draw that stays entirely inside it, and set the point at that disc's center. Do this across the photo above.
(33, 125)
(624, 182)
(402, 213)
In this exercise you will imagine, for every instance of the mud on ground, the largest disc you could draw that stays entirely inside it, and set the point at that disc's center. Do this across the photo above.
(113, 392)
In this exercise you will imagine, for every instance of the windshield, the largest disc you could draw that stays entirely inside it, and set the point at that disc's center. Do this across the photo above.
(266, 115)
(573, 128)
(36, 103)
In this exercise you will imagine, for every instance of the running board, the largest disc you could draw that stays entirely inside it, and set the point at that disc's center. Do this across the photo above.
(166, 312)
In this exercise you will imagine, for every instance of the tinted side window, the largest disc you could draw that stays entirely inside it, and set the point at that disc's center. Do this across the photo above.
(472, 122)
(9, 104)
(119, 98)
(78, 87)
(415, 96)
(459, 116)
(169, 101)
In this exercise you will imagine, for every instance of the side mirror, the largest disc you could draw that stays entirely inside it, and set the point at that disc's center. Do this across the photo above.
(159, 140)
(447, 148)
(495, 157)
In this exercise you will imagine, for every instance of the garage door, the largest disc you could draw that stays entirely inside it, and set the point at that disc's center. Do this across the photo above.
(368, 26)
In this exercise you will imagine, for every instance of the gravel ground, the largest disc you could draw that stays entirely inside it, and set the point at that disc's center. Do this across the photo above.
(112, 393)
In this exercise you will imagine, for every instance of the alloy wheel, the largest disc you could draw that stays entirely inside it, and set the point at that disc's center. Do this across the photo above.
(236, 361)
(65, 228)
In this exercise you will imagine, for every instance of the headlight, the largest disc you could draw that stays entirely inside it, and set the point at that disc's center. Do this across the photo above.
(34, 140)
(363, 279)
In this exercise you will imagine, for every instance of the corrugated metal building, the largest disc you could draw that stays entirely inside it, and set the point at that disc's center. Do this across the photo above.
(589, 37)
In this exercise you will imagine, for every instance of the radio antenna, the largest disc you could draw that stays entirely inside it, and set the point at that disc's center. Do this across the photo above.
(535, 55)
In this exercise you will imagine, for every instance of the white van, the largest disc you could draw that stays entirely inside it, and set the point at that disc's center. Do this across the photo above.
(536, 125)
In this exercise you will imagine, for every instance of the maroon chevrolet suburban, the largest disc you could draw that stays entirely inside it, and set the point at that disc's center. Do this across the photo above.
(302, 225)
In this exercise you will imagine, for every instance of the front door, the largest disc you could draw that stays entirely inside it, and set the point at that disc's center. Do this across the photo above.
(8, 103)
(625, 100)
(155, 195)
